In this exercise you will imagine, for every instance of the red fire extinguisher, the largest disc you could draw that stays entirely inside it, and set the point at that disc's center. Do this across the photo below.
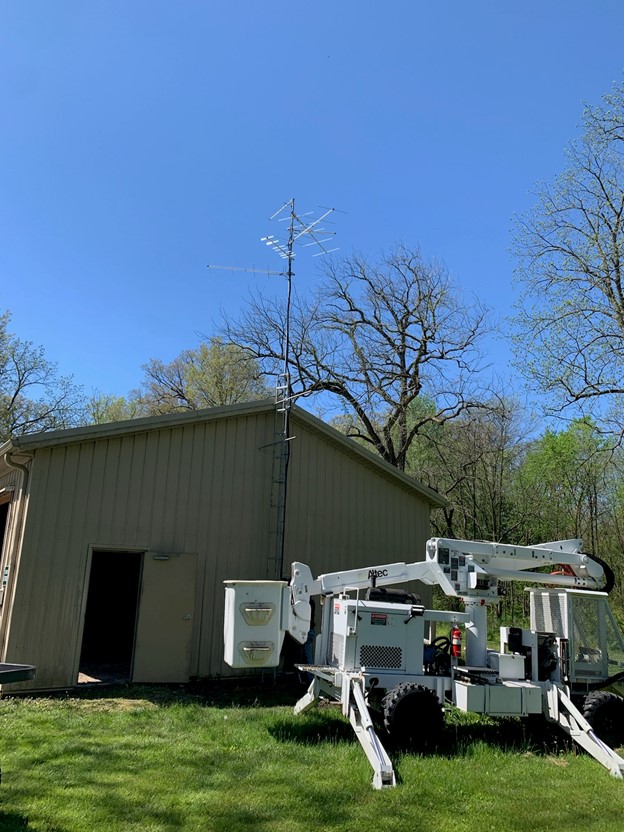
(456, 642)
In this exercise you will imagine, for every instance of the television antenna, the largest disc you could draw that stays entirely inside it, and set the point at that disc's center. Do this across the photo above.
(303, 230)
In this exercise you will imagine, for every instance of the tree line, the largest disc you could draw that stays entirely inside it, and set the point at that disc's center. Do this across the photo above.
(394, 354)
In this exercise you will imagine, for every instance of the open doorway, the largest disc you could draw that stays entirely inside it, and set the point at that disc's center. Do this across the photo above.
(4, 513)
(4, 560)
(110, 617)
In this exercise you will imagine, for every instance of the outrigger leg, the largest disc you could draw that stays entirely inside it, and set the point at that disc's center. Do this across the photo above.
(349, 689)
(562, 710)
(360, 718)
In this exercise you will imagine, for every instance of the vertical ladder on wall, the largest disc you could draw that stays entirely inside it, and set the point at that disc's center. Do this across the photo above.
(282, 393)
(281, 453)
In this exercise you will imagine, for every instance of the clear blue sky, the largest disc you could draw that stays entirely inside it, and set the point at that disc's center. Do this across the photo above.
(143, 139)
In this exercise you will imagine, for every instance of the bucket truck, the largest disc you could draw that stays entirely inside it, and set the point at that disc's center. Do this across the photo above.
(388, 660)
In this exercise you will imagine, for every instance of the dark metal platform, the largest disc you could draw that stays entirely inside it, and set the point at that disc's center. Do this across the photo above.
(16, 672)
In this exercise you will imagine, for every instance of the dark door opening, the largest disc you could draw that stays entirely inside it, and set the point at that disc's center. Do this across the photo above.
(4, 577)
(4, 512)
(110, 617)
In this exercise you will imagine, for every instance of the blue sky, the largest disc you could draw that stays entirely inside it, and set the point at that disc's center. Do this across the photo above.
(142, 140)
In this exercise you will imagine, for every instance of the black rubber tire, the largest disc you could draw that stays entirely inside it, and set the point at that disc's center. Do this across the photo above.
(605, 713)
(413, 716)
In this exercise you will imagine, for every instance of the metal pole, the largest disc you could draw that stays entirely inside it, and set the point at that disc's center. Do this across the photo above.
(284, 406)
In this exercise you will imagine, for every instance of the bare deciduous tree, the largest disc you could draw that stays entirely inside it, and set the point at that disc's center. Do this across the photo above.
(472, 462)
(570, 325)
(376, 337)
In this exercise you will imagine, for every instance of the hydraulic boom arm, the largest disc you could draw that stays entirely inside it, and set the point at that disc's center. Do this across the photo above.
(463, 568)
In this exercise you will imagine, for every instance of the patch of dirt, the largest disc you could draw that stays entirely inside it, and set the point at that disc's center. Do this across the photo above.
(110, 705)
(105, 674)
(558, 761)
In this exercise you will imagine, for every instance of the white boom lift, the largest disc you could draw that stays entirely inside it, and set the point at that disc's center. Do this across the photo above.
(378, 651)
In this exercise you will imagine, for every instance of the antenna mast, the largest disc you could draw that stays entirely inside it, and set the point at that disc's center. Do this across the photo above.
(299, 228)
(303, 230)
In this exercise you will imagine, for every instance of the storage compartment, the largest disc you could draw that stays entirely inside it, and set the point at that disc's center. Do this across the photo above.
(469, 697)
(252, 633)
(508, 665)
(503, 700)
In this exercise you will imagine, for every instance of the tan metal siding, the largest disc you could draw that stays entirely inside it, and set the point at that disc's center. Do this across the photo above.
(9, 480)
(340, 508)
(35, 605)
(238, 508)
(199, 488)
(343, 513)
(204, 488)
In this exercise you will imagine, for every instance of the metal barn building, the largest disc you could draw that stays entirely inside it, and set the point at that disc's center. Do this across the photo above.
(117, 538)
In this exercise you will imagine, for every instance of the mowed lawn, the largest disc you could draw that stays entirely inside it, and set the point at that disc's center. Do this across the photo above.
(220, 758)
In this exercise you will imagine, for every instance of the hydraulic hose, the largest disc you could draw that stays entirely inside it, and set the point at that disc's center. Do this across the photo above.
(609, 575)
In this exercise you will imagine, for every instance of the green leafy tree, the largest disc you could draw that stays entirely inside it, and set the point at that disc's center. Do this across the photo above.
(102, 408)
(33, 396)
(563, 486)
(569, 485)
(213, 375)
(611, 533)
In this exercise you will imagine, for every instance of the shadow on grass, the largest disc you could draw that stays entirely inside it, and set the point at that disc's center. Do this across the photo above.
(242, 692)
(10, 822)
(457, 739)
(532, 734)
(326, 724)
(315, 728)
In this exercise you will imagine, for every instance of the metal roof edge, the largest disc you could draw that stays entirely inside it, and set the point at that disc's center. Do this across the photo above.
(87, 433)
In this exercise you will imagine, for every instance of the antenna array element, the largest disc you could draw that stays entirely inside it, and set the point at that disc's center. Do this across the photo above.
(300, 228)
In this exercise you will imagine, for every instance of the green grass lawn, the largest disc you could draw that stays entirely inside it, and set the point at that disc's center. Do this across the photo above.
(147, 758)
